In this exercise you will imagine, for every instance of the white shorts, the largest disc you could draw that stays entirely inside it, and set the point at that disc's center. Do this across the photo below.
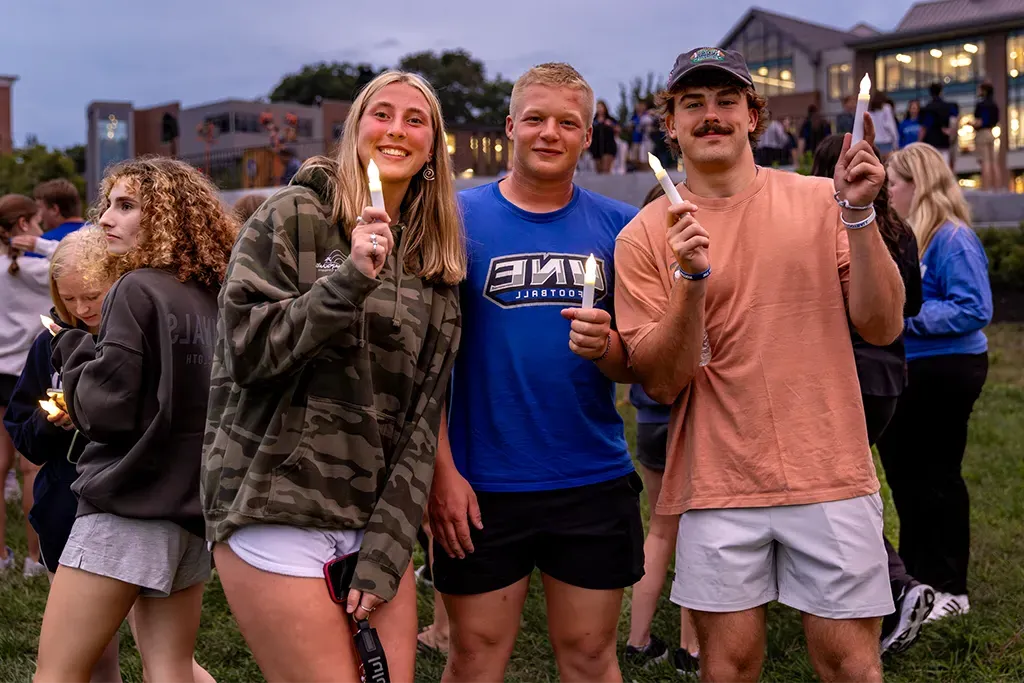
(825, 559)
(292, 551)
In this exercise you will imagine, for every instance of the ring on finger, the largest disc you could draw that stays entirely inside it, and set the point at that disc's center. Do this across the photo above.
(366, 609)
(373, 241)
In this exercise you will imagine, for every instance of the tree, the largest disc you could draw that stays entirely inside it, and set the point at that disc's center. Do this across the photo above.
(466, 95)
(77, 154)
(25, 168)
(334, 81)
(639, 89)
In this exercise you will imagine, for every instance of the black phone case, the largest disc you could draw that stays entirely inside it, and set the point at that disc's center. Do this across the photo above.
(338, 573)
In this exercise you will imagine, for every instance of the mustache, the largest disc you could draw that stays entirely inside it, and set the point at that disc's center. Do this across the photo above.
(712, 129)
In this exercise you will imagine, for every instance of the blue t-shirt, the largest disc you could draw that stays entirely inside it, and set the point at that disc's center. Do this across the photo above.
(910, 131)
(526, 413)
(957, 297)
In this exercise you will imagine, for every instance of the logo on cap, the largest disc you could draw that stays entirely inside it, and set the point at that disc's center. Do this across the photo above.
(706, 54)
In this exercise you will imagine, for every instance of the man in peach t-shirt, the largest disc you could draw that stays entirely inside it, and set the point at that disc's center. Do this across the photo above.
(768, 458)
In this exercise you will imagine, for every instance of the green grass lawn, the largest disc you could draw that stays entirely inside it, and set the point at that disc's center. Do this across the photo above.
(986, 645)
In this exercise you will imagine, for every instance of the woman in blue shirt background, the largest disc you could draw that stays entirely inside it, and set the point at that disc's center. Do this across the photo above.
(947, 353)
(910, 126)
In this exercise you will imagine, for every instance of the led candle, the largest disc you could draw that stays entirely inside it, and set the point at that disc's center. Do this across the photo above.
(589, 281)
(862, 108)
(666, 183)
(376, 190)
(47, 323)
(50, 407)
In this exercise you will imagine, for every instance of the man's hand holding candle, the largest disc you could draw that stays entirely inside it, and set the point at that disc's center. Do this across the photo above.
(590, 331)
(688, 240)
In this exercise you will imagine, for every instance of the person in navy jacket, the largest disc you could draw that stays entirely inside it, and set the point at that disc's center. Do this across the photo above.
(79, 280)
(947, 360)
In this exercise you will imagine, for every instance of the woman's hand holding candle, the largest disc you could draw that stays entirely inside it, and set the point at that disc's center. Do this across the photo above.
(371, 241)
(55, 415)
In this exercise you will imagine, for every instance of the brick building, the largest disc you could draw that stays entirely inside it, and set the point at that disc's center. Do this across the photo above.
(6, 134)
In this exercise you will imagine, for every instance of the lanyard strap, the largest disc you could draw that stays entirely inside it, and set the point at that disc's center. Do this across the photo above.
(371, 654)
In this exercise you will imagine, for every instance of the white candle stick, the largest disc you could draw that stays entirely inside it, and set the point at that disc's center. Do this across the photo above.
(589, 281)
(47, 323)
(50, 407)
(862, 108)
(376, 190)
(666, 183)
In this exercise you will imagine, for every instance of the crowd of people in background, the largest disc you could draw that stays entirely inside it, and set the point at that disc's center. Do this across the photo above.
(297, 388)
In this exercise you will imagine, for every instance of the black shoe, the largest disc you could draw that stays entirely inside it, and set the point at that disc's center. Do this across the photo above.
(685, 663)
(900, 629)
(655, 651)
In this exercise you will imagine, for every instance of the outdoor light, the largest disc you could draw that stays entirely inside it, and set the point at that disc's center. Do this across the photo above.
(1014, 73)
(903, 59)
(996, 132)
(936, 53)
(970, 47)
(763, 71)
(785, 75)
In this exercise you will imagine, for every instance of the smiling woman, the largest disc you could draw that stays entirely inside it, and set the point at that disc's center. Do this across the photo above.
(349, 314)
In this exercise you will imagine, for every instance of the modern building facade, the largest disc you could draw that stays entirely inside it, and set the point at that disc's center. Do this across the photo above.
(958, 43)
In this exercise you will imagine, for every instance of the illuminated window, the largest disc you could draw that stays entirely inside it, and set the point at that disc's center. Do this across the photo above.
(497, 150)
(769, 56)
(487, 146)
(474, 147)
(840, 81)
(450, 139)
(959, 66)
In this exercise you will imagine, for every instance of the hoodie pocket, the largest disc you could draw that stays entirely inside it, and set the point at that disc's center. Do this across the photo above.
(338, 468)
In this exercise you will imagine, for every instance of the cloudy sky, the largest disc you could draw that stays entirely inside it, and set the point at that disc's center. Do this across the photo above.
(70, 52)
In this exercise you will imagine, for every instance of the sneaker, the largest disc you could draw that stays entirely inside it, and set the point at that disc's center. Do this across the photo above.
(12, 492)
(685, 663)
(901, 628)
(948, 605)
(33, 568)
(7, 562)
(655, 651)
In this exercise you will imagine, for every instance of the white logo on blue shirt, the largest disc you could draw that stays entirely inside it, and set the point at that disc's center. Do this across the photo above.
(540, 279)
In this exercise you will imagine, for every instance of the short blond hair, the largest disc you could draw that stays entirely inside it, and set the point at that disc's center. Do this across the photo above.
(556, 75)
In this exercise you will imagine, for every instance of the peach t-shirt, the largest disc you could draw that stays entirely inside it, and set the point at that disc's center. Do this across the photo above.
(775, 418)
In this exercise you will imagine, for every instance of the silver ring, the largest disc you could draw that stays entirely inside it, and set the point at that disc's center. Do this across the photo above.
(359, 220)
(373, 240)
(367, 609)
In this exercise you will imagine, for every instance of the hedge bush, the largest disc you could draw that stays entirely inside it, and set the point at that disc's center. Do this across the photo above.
(1005, 249)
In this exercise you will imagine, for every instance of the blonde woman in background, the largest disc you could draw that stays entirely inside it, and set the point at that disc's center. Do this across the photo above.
(947, 353)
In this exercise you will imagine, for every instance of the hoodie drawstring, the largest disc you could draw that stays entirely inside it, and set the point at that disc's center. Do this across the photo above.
(399, 273)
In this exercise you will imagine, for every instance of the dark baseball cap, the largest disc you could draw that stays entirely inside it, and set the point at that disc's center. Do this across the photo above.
(707, 58)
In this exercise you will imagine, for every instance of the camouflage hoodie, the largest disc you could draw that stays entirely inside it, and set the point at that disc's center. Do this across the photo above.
(326, 387)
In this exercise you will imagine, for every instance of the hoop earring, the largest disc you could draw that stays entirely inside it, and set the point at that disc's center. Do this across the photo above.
(428, 172)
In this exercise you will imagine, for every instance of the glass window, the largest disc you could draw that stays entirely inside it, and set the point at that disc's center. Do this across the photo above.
(450, 139)
(1015, 55)
(910, 71)
(840, 81)
(304, 128)
(247, 123)
(221, 123)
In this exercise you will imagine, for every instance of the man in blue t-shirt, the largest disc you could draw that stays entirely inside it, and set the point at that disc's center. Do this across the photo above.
(533, 470)
(60, 208)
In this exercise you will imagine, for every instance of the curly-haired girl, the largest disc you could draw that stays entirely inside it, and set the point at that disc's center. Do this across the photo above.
(138, 392)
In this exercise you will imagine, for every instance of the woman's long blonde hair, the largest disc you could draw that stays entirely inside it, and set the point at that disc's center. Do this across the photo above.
(435, 247)
(937, 195)
(83, 253)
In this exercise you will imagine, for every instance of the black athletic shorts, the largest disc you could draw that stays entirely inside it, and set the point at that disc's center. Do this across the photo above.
(651, 445)
(7, 384)
(588, 536)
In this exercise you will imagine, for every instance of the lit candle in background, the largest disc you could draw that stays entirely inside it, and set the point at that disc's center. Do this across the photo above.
(376, 190)
(47, 323)
(50, 407)
(862, 108)
(589, 281)
(666, 183)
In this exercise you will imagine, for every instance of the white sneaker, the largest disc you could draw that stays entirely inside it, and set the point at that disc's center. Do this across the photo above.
(7, 562)
(33, 568)
(948, 605)
(12, 492)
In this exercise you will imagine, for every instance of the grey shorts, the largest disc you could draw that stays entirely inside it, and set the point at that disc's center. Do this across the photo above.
(157, 556)
(825, 559)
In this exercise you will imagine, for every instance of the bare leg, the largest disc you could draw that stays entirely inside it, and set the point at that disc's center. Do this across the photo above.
(583, 625)
(688, 632)
(294, 630)
(658, 549)
(166, 629)
(731, 645)
(483, 633)
(83, 613)
(6, 463)
(108, 668)
(844, 649)
(28, 479)
(438, 635)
